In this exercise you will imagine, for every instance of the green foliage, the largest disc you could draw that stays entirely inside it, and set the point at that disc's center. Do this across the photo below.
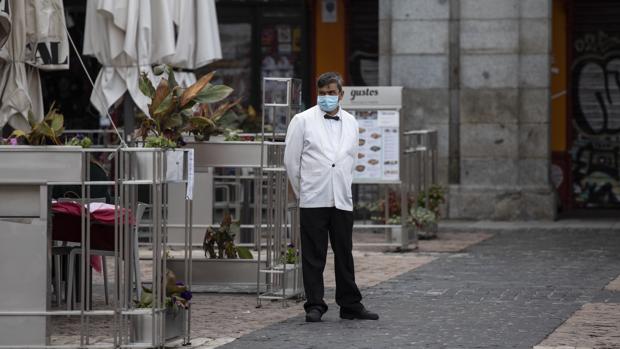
(47, 130)
(174, 110)
(244, 253)
(223, 238)
(176, 294)
(422, 217)
(159, 142)
(84, 142)
(290, 255)
(436, 197)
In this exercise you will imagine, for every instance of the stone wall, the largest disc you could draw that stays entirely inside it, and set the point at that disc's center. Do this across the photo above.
(499, 146)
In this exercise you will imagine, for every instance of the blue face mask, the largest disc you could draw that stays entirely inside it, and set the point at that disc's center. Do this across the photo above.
(327, 103)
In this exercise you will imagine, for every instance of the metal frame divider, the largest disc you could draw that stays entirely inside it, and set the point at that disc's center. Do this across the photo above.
(420, 164)
(272, 184)
(127, 176)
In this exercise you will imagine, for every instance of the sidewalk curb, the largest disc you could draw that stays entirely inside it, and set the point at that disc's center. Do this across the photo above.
(505, 226)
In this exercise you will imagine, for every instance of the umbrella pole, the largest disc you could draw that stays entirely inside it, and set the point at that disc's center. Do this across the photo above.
(129, 116)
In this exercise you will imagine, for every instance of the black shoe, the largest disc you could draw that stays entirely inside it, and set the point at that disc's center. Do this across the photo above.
(360, 314)
(314, 315)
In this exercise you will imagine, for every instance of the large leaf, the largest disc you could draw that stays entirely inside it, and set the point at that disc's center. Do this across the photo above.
(44, 129)
(244, 253)
(31, 118)
(163, 91)
(200, 122)
(17, 134)
(191, 92)
(146, 86)
(213, 93)
(165, 106)
(171, 78)
(58, 121)
(173, 121)
(222, 109)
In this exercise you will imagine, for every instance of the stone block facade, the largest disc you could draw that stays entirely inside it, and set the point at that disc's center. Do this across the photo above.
(478, 72)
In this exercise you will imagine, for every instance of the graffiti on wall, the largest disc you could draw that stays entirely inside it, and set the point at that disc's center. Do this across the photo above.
(596, 120)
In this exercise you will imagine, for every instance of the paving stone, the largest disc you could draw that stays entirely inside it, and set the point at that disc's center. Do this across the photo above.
(595, 325)
(510, 291)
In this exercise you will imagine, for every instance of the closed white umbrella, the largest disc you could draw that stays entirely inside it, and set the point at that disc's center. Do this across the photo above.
(5, 22)
(37, 40)
(198, 38)
(126, 37)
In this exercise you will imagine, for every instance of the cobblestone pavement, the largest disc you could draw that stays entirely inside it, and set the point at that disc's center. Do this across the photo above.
(220, 318)
(511, 291)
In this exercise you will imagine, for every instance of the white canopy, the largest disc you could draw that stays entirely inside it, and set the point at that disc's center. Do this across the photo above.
(129, 36)
(5, 22)
(198, 37)
(37, 40)
(126, 37)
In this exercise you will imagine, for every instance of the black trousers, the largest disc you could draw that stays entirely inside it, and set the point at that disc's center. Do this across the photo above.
(316, 225)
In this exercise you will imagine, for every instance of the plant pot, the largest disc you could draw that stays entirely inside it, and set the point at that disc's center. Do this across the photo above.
(40, 163)
(219, 275)
(427, 231)
(142, 165)
(228, 154)
(142, 326)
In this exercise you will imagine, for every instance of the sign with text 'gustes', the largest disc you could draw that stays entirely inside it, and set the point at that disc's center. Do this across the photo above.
(372, 96)
(377, 110)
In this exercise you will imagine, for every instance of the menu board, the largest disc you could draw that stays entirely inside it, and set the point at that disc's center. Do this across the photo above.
(378, 156)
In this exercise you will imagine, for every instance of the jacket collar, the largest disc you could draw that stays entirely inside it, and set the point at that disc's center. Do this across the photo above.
(345, 135)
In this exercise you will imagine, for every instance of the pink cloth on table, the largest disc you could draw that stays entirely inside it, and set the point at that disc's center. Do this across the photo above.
(100, 213)
(97, 263)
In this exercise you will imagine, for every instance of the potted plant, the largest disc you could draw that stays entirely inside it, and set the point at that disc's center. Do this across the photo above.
(225, 266)
(176, 302)
(424, 221)
(290, 255)
(174, 110)
(427, 214)
(223, 238)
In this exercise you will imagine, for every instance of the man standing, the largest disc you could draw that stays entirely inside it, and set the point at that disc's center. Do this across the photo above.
(321, 147)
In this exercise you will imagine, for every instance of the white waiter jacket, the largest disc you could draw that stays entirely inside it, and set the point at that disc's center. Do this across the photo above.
(314, 167)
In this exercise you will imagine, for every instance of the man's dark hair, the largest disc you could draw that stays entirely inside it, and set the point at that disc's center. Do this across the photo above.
(329, 78)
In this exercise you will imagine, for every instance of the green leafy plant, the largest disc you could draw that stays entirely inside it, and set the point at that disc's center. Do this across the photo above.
(174, 110)
(177, 294)
(46, 131)
(421, 217)
(436, 197)
(84, 142)
(223, 239)
(290, 255)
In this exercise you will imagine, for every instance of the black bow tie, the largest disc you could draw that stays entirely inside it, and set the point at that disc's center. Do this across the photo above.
(331, 117)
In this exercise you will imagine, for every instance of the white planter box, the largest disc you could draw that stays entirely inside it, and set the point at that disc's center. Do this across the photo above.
(142, 326)
(285, 281)
(219, 275)
(228, 154)
(27, 163)
(142, 165)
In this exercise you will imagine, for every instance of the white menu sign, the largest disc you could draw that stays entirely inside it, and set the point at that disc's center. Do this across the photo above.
(377, 110)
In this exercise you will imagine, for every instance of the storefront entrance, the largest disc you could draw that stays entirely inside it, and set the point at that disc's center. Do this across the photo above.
(590, 159)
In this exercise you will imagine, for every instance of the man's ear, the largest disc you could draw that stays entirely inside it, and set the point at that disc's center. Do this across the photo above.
(341, 96)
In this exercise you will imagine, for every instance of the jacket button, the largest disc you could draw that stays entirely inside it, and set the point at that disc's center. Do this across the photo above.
(333, 165)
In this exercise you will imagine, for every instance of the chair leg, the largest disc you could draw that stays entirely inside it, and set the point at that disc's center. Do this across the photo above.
(70, 279)
(57, 279)
(104, 270)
